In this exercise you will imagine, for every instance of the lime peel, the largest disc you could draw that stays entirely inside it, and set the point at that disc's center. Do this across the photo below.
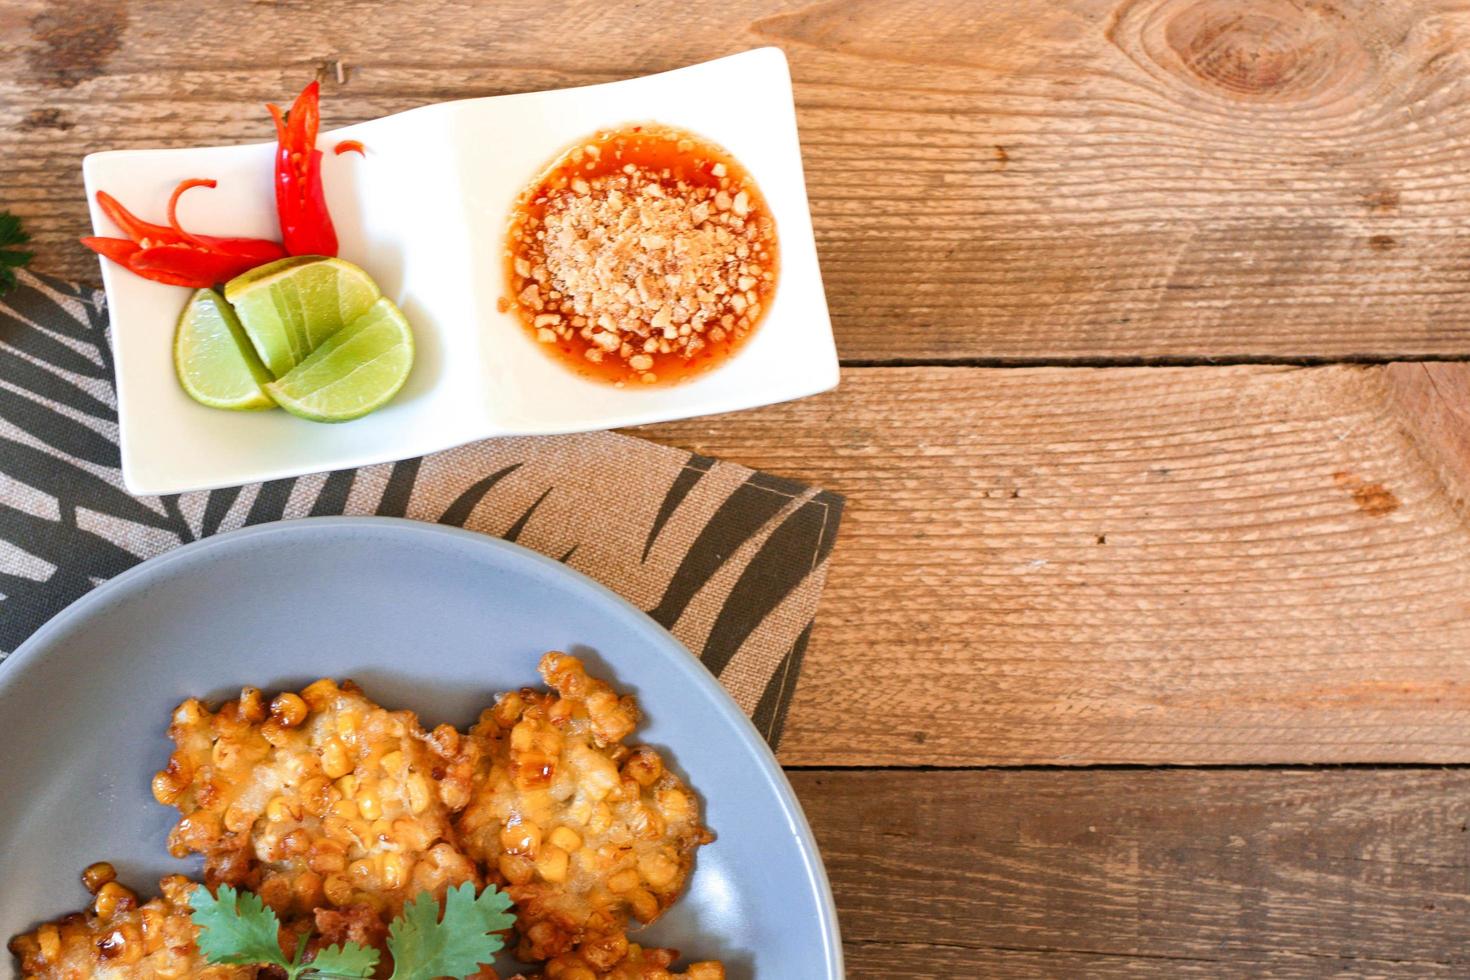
(214, 359)
(354, 371)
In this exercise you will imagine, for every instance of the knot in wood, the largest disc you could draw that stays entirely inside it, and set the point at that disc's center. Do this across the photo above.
(1270, 50)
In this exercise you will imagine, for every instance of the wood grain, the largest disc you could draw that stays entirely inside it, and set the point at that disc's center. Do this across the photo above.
(1282, 873)
(1008, 180)
(1146, 565)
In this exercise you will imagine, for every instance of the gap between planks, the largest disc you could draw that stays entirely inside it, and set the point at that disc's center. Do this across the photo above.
(1059, 566)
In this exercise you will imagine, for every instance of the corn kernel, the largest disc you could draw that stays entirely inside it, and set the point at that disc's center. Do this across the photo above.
(307, 889)
(275, 733)
(121, 945)
(49, 938)
(675, 804)
(252, 705)
(392, 763)
(113, 898)
(552, 863)
(288, 710)
(567, 839)
(364, 871)
(395, 870)
(165, 788)
(624, 881)
(319, 694)
(411, 835)
(644, 766)
(238, 819)
(275, 892)
(596, 775)
(445, 739)
(369, 806)
(94, 876)
(327, 857)
(516, 868)
(335, 762)
(225, 754)
(658, 868)
(521, 838)
(313, 794)
(338, 890)
(419, 793)
(643, 904)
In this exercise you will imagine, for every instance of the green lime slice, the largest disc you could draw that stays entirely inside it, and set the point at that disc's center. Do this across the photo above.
(214, 359)
(291, 305)
(354, 371)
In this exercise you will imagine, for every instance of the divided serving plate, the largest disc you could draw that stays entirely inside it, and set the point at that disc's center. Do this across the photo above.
(425, 213)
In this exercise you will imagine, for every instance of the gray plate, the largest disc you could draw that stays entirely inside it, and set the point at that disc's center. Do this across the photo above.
(424, 617)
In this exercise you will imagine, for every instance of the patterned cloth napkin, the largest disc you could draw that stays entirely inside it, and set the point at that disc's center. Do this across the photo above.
(731, 560)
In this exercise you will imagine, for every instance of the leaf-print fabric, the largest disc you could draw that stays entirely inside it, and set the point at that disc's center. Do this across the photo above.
(731, 560)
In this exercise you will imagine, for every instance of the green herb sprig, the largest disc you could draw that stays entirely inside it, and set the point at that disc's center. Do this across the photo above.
(237, 929)
(12, 235)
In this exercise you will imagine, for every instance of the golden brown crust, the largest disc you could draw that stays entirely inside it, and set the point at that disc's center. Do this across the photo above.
(317, 800)
(629, 962)
(121, 938)
(585, 832)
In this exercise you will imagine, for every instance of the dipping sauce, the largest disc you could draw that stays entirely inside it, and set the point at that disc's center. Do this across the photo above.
(643, 255)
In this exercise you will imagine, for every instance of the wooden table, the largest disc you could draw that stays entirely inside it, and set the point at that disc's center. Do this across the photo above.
(1146, 648)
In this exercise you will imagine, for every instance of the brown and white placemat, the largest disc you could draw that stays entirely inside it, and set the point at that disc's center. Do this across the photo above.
(730, 559)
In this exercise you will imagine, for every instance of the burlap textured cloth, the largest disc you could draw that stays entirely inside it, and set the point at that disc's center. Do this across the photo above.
(731, 560)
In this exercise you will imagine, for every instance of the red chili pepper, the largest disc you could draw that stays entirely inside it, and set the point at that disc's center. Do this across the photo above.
(171, 255)
(306, 227)
(119, 250)
(350, 146)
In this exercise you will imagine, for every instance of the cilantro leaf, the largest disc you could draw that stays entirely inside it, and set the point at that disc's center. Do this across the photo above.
(236, 928)
(424, 946)
(11, 234)
(347, 960)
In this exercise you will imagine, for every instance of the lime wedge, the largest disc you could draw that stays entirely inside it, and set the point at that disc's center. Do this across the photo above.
(291, 305)
(214, 359)
(355, 370)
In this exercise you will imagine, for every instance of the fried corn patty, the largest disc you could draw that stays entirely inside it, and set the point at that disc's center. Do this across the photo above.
(317, 801)
(121, 937)
(586, 833)
(631, 962)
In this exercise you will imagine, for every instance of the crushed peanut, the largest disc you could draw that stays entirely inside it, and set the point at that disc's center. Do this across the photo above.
(642, 254)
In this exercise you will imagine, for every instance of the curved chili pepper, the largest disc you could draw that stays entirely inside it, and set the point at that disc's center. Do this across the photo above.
(171, 255)
(301, 204)
(197, 265)
(257, 250)
(119, 250)
(134, 227)
(350, 146)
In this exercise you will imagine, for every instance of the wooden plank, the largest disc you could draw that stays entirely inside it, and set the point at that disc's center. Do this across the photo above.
(1284, 873)
(1144, 565)
(1009, 180)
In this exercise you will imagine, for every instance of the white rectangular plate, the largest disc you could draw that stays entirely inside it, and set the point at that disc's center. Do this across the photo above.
(425, 212)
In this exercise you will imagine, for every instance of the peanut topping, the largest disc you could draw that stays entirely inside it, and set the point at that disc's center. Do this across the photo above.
(648, 260)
